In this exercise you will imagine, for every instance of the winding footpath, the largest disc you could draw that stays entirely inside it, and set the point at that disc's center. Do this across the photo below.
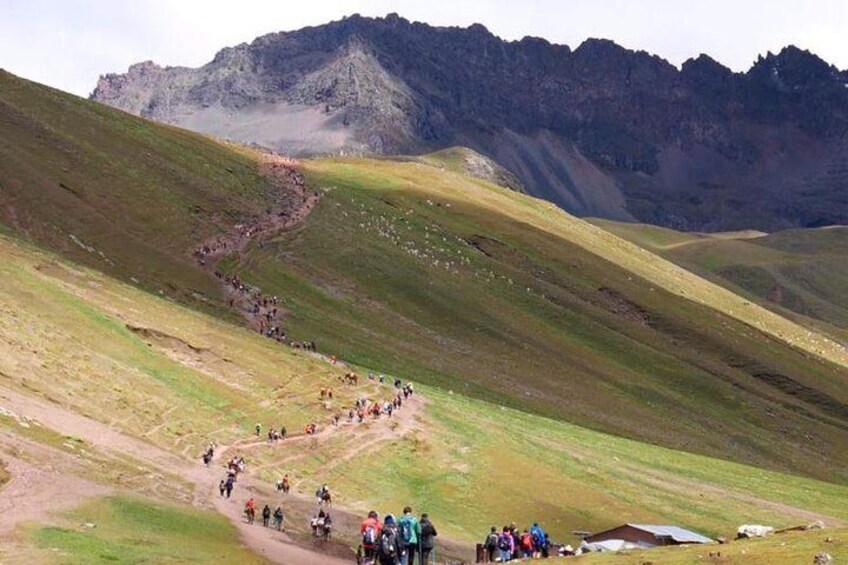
(31, 489)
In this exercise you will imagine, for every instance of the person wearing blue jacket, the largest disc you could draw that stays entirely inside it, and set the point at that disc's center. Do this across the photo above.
(538, 539)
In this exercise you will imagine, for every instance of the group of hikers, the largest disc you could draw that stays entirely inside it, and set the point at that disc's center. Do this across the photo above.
(511, 543)
(274, 434)
(396, 541)
(235, 466)
(250, 514)
(364, 407)
(261, 309)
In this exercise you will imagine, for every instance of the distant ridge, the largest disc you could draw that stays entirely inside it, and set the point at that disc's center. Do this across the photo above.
(599, 130)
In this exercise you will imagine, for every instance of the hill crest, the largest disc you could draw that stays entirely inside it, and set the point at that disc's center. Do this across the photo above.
(600, 130)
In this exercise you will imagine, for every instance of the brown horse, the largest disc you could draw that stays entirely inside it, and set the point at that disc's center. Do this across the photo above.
(351, 378)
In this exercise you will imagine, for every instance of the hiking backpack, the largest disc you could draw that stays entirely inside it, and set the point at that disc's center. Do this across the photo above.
(369, 536)
(492, 540)
(387, 543)
(406, 532)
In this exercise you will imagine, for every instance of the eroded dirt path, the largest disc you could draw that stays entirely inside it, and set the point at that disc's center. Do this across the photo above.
(292, 201)
(33, 488)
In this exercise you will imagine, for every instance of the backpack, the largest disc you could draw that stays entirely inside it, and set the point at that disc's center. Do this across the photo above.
(406, 532)
(527, 542)
(369, 537)
(387, 543)
(503, 543)
(492, 540)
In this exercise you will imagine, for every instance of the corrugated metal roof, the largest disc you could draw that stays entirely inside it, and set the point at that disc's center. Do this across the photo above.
(677, 534)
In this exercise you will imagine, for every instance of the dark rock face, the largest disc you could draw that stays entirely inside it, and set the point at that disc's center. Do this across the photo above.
(600, 130)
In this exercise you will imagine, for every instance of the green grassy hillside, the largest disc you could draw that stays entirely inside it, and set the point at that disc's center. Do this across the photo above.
(408, 267)
(190, 378)
(433, 274)
(119, 193)
(132, 530)
(794, 272)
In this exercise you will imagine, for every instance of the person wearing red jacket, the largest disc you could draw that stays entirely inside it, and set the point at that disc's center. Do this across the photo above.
(370, 531)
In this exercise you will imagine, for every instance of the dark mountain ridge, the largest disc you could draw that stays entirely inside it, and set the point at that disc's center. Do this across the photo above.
(600, 130)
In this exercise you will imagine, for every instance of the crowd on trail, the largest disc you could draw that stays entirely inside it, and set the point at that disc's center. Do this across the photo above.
(321, 523)
(511, 543)
(404, 540)
(292, 201)
(263, 311)
(396, 541)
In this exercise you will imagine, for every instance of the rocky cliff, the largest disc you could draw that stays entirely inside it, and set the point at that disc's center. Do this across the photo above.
(600, 130)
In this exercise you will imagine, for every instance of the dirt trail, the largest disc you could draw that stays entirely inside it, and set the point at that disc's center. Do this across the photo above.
(32, 491)
(292, 201)
(20, 504)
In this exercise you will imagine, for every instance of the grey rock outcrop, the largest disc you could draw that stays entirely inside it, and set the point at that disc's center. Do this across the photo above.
(600, 130)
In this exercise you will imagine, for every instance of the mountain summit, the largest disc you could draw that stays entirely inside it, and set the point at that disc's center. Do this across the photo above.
(600, 130)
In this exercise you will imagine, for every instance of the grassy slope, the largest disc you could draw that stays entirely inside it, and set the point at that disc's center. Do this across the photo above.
(64, 333)
(424, 272)
(133, 530)
(117, 192)
(458, 462)
(385, 274)
(800, 273)
(472, 464)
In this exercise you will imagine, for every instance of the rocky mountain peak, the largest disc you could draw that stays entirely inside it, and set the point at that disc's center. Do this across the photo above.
(601, 130)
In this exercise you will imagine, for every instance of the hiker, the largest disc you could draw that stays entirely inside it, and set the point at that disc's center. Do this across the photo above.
(427, 541)
(370, 531)
(545, 549)
(539, 536)
(278, 518)
(491, 545)
(388, 548)
(228, 486)
(527, 545)
(208, 455)
(516, 540)
(506, 545)
(222, 487)
(328, 528)
(266, 515)
(258, 429)
(250, 510)
(409, 533)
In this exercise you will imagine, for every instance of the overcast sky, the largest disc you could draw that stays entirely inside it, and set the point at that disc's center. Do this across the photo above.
(69, 43)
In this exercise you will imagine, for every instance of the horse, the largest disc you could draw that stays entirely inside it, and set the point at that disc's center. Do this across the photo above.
(321, 528)
(326, 499)
(251, 514)
(350, 378)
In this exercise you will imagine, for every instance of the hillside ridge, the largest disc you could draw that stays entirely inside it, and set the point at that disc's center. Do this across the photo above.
(599, 130)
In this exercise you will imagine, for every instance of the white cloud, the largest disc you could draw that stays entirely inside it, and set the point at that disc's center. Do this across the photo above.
(68, 43)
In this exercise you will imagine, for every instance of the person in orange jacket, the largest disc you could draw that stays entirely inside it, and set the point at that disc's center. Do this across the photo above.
(370, 532)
